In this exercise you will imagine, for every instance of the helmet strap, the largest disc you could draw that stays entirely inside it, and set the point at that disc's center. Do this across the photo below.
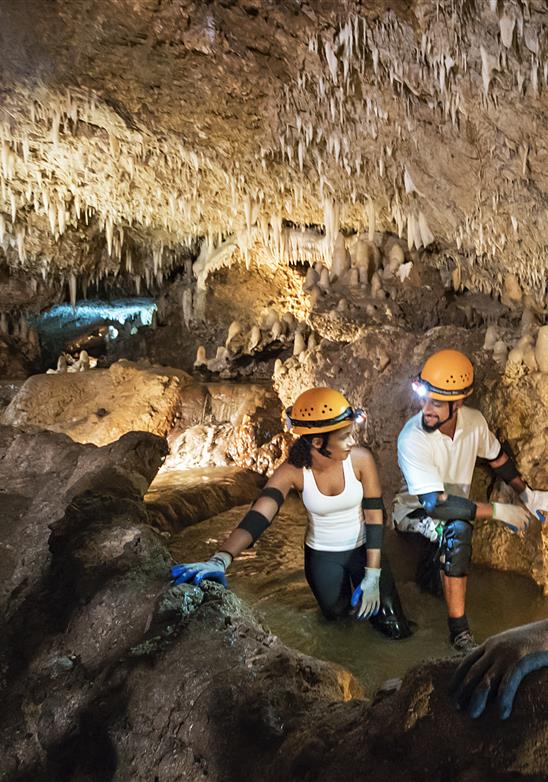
(323, 447)
(435, 428)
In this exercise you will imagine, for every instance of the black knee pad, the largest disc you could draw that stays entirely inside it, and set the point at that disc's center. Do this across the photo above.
(456, 548)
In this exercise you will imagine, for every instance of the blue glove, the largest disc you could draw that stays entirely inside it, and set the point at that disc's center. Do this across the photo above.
(430, 500)
(367, 594)
(213, 570)
(499, 666)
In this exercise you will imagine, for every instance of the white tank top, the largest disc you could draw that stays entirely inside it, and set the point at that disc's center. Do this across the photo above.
(334, 523)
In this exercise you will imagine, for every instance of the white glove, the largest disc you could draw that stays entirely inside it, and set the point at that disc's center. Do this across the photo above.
(536, 502)
(367, 594)
(515, 518)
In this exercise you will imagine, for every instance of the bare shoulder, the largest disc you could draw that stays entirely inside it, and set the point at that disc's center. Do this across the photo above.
(286, 477)
(362, 457)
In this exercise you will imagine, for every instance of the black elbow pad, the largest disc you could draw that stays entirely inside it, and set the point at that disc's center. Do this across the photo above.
(255, 523)
(507, 471)
(372, 503)
(452, 509)
(274, 494)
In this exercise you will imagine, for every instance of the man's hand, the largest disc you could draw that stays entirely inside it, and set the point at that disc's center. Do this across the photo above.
(498, 667)
(536, 502)
(514, 517)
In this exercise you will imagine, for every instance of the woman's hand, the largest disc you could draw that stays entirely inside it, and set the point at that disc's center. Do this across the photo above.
(367, 594)
(213, 570)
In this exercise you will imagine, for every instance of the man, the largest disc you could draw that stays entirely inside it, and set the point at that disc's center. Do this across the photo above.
(437, 452)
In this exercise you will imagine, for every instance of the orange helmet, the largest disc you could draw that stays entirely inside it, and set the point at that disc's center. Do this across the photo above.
(447, 375)
(321, 410)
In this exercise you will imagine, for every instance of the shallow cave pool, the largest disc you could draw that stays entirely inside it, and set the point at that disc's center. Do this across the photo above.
(270, 578)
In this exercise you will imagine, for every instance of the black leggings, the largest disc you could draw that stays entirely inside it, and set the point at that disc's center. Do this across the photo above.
(332, 576)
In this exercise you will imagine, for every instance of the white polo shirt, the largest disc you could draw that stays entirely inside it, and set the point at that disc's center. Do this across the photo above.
(432, 461)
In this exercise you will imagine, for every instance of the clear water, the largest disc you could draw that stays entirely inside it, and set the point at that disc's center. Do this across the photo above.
(270, 578)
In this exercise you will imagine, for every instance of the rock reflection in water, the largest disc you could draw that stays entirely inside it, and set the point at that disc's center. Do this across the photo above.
(271, 578)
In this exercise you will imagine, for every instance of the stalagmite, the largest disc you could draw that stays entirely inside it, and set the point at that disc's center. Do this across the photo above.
(529, 358)
(72, 289)
(491, 338)
(186, 302)
(311, 278)
(324, 280)
(254, 338)
(278, 366)
(311, 341)
(268, 318)
(299, 343)
(376, 286)
(341, 261)
(201, 356)
(61, 364)
(396, 255)
(528, 321)
(354, 278)
(276, 330)
(500, 352)
(233, 330)
(315, 295)
(515, 356)
(363, 276)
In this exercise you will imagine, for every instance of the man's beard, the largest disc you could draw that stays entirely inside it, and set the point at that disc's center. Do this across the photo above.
(427, 427)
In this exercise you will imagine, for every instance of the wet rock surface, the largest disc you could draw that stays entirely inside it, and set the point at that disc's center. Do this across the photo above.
(105, 668)
(417, 734)
(108, 672)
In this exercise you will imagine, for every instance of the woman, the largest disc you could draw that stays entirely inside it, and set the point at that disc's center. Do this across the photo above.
(338, 482)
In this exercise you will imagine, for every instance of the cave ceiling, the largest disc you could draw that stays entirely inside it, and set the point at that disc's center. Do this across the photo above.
(135, 132)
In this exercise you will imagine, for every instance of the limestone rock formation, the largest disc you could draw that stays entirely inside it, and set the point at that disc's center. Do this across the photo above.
(99, 406)
(518, 404)
(368, 116)
(108, 671)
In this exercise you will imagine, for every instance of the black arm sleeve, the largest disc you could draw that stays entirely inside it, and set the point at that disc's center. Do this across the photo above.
(374, 534)
(452, 509)
(255, 523)
(507, 471)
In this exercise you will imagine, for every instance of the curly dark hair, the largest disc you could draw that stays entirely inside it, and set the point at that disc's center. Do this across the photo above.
(300, 453)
